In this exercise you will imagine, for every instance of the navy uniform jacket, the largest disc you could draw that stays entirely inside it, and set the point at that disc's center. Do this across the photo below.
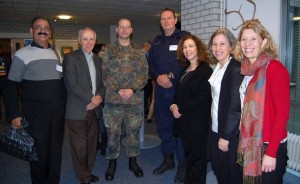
(162, 60)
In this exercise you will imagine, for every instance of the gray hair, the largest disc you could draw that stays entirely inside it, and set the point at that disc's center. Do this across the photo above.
(86, 28)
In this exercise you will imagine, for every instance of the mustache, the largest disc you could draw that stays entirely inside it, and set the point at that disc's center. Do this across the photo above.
(41, 33)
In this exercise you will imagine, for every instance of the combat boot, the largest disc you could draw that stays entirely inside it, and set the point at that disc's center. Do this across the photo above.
(135, 168)
(167, 164)
(180, 174)
(111, 169)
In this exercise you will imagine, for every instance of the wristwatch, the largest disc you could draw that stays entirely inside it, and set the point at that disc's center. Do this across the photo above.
(170, 75)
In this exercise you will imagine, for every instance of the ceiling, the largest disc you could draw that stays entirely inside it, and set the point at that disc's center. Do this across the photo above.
(87, 11)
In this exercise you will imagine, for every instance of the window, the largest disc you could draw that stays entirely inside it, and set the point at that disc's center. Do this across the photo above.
(290, 56)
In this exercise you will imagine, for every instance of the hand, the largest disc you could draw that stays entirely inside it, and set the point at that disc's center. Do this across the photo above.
(175, 112)
(125, 94)
(16, 122)
(223, 144)
(96, 100)
(168, 84)
(164, 81)
(268, 164)
(90, 106)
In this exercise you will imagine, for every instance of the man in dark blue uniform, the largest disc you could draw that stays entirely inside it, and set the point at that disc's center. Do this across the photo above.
(165, 69)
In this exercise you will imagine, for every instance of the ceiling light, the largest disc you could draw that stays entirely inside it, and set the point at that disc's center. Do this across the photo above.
(64, 17)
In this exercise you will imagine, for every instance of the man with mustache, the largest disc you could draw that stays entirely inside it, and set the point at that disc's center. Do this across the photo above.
(36, 69)
(42, 34)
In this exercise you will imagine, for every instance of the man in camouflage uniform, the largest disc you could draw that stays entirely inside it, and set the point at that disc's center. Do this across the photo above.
(125, 73)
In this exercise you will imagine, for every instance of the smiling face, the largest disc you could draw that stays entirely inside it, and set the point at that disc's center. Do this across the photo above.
(124, 29)
(221, 48)
(41, 32)
(87, 40)
(252, 44)
(190, 50)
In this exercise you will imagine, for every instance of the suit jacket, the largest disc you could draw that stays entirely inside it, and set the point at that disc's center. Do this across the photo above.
(229, 109)
(193, 97)
(78, 84)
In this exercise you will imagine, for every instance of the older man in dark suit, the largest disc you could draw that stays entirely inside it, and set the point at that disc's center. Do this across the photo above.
(85, 91)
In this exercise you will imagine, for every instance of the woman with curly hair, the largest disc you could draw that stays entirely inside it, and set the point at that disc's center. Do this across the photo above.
(191, 106)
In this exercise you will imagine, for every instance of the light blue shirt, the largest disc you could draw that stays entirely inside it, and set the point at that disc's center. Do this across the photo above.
(90, 62)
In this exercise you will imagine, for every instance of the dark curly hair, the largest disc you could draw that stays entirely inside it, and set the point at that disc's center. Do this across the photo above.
(202, 50)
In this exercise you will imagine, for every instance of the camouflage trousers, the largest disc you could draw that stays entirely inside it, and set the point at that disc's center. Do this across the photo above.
(132, 117)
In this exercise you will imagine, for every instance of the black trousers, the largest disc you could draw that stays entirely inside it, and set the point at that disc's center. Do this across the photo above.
(196, 162)
(47, 129)
(224, 163)
(276, 177)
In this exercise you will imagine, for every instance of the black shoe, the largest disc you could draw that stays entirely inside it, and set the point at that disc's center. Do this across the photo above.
(135, 168)
(94, 179)
(111, 169)
(168, 164)
(180, 174)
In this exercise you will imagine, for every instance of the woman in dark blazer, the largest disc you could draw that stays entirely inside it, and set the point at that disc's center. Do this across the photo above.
(191, 107)
(226, 108)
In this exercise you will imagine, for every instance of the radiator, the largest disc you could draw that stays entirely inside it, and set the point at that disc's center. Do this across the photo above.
(294, 151)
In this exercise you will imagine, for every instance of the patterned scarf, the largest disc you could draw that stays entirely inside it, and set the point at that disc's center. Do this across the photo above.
(250, 149)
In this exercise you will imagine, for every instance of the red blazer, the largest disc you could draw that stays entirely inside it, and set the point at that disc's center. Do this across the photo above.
(277, 106)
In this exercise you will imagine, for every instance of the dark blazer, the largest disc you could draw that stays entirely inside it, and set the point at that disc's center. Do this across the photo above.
(193, 97)
(229, 109)
(78, 84)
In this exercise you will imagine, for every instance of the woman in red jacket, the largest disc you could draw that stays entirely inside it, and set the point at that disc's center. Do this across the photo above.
(265, 95)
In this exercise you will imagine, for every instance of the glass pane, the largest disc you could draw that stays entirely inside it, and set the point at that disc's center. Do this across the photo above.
(294, 54)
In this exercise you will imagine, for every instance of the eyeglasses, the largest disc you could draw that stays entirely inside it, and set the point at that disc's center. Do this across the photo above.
(39, 28)
(124, 27)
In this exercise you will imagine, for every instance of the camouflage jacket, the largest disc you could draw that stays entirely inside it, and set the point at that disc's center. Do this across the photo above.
(124, 67)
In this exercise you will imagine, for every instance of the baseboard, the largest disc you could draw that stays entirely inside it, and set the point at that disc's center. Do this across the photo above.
(293, 172)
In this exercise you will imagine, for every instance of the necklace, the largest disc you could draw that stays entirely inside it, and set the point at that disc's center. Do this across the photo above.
(184, 74)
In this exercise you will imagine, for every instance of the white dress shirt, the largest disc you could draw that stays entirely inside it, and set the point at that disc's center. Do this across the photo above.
(215, 83)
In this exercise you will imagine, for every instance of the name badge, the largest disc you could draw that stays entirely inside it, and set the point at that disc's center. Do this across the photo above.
(172, 47)
(58, 68)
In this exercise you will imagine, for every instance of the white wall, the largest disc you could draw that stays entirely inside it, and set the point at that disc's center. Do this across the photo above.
(267, 11)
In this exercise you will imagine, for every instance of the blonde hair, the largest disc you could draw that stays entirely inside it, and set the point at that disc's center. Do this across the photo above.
(270, 47)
